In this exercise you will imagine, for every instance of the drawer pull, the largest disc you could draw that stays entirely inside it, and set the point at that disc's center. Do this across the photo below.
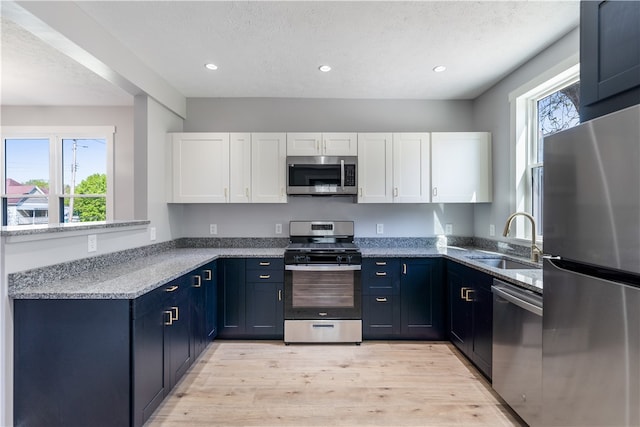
(265, 276)
(264, 264)
(381, 263)
(381, 273)
(381, 299)
(404, 268)
(198, 282)
(174, 316)
(207, 275)
(171, 288)
(279, 294)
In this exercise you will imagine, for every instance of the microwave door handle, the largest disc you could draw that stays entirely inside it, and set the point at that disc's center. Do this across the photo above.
(342, 173)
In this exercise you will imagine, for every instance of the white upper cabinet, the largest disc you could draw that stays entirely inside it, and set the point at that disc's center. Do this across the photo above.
(411, 168)
(268, 167)
(461, 167)
(393, 168)
(322, 144)
(375, 163)
(200, 167)
(240, 168)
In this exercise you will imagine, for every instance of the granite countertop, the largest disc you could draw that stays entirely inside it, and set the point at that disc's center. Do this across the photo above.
(132, 278)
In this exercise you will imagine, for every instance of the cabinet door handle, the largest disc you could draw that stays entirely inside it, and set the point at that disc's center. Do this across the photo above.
(198, 281)
(381, 263)
(469, 295)
(207, 275)
(325, 147)
(225, 193)
(177, 312)
(381, 299)
(317, 145)
(404, 268)
(265, 276)
(381, 273)
(279, 294)
(170, 315)
(264, 264)
(171, 288)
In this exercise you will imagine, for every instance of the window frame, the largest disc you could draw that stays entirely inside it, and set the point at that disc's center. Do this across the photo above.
(524, 139)
(55, 136)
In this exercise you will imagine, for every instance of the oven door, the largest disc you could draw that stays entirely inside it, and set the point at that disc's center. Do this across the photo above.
(322, 291)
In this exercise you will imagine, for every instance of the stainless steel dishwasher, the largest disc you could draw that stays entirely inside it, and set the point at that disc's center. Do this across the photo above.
(517, 349)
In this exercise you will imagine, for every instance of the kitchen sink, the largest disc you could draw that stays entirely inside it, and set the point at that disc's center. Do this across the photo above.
(505, 263)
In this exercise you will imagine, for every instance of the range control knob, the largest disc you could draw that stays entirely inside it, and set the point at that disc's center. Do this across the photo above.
(301, 259)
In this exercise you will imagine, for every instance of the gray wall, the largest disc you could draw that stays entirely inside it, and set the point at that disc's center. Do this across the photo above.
(329, 115)
(491, 112)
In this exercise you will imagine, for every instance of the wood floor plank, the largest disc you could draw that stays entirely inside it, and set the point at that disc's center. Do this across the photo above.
(266, 383)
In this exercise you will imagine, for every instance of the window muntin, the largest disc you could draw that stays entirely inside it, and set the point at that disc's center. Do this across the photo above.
(84, 165)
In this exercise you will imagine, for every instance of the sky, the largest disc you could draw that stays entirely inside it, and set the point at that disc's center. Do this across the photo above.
(27, 159)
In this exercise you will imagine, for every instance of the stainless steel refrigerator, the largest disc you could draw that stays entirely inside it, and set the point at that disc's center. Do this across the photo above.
(591, 322)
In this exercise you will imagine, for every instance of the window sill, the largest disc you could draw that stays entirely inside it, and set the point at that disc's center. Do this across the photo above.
(47, 231)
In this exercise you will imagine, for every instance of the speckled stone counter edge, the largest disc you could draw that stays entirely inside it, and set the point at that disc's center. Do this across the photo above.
(59, 228)
(72, 268)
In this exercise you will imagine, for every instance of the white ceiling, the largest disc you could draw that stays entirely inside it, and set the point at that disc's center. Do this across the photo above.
(382, 49)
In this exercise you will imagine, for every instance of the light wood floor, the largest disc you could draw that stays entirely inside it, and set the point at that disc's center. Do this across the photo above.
(265, 383)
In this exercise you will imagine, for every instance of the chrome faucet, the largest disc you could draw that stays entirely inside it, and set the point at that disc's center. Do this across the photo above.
(535, 250)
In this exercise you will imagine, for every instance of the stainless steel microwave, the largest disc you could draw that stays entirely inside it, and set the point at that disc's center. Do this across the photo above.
(322, 175)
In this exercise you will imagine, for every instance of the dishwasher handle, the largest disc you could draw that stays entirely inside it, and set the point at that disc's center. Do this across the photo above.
(504, 293)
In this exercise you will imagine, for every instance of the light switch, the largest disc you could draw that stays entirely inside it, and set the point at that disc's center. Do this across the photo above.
(278, 228)
(379, 228)
(213, 228)
(152, 233)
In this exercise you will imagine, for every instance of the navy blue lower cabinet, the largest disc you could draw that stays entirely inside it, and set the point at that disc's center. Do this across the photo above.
(71, 363)
(380, 298)
(178, 331)
(422, 299)
(231, 298)
(251, 298)
(203, 306)
(470, 320)
(148, 372)
(402, 298)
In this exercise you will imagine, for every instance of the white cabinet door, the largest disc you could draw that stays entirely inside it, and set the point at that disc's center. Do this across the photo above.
(461, 167)
(200, 167)
(240, 168)
(304, 144)
(375, 167)
(411, 167)
(340, 144)
(268, 162)
(322, 144)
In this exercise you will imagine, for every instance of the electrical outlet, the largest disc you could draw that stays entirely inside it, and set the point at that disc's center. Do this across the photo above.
(92, 243)
(213, 228)
(278, 228)
(379, 228)
(152, 233)
(492, 230)
(448, 229)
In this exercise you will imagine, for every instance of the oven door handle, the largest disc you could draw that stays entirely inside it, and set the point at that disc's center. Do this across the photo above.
(323, 267)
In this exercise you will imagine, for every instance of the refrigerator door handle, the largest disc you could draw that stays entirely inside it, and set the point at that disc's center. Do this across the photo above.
(551, 257)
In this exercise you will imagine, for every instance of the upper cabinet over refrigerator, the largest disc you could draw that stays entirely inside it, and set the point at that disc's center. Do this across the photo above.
(609, 57)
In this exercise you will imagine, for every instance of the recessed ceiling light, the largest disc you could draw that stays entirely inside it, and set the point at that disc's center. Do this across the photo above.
(324, 68)
(211, 66)
(439, 68)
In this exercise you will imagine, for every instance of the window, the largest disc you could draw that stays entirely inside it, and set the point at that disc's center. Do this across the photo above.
(56, 175)
(541, 109)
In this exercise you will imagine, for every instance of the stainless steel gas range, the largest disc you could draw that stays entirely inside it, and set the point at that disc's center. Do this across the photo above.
(322, 283)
